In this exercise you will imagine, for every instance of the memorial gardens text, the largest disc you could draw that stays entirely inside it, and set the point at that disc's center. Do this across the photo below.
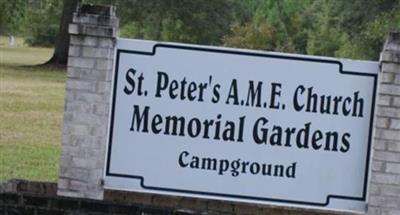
(260, 94)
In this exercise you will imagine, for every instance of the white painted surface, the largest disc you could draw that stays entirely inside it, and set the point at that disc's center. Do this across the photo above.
(148, 162)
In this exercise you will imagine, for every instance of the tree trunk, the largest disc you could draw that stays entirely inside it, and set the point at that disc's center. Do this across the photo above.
(60, 55)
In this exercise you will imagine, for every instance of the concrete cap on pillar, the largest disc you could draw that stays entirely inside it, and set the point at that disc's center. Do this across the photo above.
(391, 48)
(392, 42)
(103, 10)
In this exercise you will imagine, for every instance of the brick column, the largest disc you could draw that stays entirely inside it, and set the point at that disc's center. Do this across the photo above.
(92, 33)
(384, 194)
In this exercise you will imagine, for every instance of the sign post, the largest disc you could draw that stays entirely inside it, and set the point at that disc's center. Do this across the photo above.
(241, 125)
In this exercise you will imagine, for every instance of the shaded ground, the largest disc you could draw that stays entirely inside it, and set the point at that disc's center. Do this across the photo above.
(31, 107)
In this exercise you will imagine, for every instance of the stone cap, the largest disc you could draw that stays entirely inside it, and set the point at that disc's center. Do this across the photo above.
(392, 42)
(94, 20)
(391, 49)
(103, 10)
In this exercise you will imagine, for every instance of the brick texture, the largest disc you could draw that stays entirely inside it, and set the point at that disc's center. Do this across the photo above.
(32, 204)
(92, 34)
(384, 195)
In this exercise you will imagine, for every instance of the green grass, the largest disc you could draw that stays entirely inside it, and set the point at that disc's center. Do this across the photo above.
(19, 41)
(31, 108)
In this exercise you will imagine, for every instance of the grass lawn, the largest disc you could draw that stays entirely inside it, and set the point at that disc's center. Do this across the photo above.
(31, 108)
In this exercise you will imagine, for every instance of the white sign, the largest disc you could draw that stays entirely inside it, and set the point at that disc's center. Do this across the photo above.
(241, 125)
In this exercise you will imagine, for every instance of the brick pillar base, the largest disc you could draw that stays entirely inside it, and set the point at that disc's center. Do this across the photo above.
(384, 194)
(90, 61)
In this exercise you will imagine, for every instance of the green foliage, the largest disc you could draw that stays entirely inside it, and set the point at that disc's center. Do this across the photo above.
(12, 16)
(37, 20)
(44, 20)
(252, 35)
(347, 48)
(281, 25)
(31, 101)
(349, 29)
(324, 35)
(192, 21)
(340, 28)
(352, 29)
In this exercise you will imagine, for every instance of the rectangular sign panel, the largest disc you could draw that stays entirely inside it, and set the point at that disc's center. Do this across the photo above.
(241, 125)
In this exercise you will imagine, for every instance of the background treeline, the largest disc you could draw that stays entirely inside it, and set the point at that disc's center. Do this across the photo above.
(341, 28)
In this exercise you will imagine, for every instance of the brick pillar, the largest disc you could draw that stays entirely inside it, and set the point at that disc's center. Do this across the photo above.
(92, 32)
(384, 194)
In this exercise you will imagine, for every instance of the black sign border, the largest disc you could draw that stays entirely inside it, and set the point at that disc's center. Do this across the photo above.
(255, 54)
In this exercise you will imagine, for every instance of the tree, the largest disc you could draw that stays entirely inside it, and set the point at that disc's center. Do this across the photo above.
(12, 17)
(191, 21)
(352, 29)
(275, 25)
(60, 55)
(251, 35)
(44, 22)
